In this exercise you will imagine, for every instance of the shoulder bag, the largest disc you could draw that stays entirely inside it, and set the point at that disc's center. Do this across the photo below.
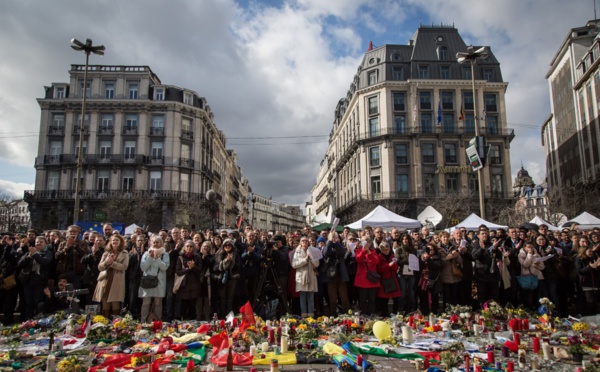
(178, 279)
(372, 276)
(332, 266)
(528, 282)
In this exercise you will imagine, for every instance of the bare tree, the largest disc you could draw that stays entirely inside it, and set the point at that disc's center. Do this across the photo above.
(200, 213)
(9, 221)
(128, 208)
(453, 206)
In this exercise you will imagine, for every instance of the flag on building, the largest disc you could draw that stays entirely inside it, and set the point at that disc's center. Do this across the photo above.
(439, 114)
(462, 114)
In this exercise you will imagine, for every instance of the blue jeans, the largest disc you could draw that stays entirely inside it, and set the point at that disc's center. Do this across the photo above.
(307, 303)
(408, 297)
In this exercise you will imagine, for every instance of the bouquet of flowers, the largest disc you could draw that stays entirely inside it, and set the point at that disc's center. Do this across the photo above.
(70, 364)
(546, 306)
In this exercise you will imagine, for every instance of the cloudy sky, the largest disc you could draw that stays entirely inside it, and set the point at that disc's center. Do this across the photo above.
(267, 68)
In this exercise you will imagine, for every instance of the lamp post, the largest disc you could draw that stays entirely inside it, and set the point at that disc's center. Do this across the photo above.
(211, 195)
(87, 48)
(472, 55)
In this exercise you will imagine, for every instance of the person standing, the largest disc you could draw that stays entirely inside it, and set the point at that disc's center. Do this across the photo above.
(35, 264)
(110, 290)
(134, 274)
(388, 269)
(366, 260)
(155, 261)
(227, 267)
(487, 272)
(337, 286)
(189, 265)
(91, 261)
(68, 257)
(306, 277)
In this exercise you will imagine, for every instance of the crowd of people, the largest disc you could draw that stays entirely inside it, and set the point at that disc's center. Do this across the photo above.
(184, 274)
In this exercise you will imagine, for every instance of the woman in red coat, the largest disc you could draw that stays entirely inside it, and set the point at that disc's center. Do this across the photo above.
(387, 268)
(366, 260)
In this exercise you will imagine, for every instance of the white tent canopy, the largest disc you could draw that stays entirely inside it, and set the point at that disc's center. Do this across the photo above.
(586, 221)
(474, 221)
(540, 221)
(129, 230)
(384, 218)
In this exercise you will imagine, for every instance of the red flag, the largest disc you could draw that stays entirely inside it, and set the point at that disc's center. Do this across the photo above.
(217, 340)
(462, 114)
(370, 46)
(239, 222)
(247, 316)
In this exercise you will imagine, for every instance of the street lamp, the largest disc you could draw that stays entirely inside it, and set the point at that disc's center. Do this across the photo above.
(211, 195)
(472, 55)
(87, 48)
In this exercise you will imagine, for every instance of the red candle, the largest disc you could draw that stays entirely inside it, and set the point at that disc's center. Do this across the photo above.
(427, 323)
(517, 338)
(234, 323)
(155, 367)
(272, 335)
(279, 335)
(110, 368)
(190, 365)
(425, 363)
(525, 324)
(222, 324)
(510, 367)
(536, 345)
(467, 363)
(491, 358)
(410, 321)
(359, 361)
(478, 368)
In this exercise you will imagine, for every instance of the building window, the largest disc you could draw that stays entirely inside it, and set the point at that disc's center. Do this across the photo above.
(451, 182)
(473, 182)
(84, 148)
(372, 76)
(397, 73)
(373, 127)
(468, 100)
(53, 182)
(491, 123)
(103, 179)
(86, 121)
(401, 153)
(466, 73)
(188, 99)
(131, 121)
(399, 124)
(186, 125)
(109, 90)
(443, 53)
(488, 74)
(185, 151)
(373, 105)
(55, 148)
(184, 182)
(469, 124)
(450, 153)
(59, 92)
(87, 89)
(127, 183)
(107, 121)
(155, 180)
(402, 184)
(425, 100)
(157, 150)
(490, 103)
(374, 156)
(158, 121)
(376, 187)
(445, 72)
(448, 123)
(399, 101)
(497, 187)
(129, 150)
(105, 149)
(58, 120)
(423, 72)
(133, 90)
(426, 124)
(447, 100)
(429, 184)
(159, 94)
(495, 157)
(427, 151)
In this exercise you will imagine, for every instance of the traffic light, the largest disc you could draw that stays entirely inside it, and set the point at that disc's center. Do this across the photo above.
(476, 152)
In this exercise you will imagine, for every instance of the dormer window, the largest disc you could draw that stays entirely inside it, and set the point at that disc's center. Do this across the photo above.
(443, 53)
(59, 92)
(159, 94)
(188, 99)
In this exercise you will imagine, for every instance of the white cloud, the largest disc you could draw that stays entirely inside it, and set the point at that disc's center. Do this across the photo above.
(14, 189)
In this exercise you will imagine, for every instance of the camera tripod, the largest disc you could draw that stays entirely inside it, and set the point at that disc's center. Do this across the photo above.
(266, 285)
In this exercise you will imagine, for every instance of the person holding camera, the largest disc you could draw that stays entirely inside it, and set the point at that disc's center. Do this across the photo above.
(227, 269)
(366, 283)
(486, 272)
(68, 257)
(34, 267)
(430, 285)
(336, 279)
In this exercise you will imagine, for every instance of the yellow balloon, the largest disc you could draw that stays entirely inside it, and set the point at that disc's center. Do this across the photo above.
(381, 330)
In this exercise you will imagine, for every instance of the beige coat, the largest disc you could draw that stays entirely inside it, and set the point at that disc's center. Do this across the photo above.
(306, 272)
(117, 289)
(528, 266)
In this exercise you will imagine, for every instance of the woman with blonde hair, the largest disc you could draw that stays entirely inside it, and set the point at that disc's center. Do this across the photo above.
(306, 277)
(110, 290)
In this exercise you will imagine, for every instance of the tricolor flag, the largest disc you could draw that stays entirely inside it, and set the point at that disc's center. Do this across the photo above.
(439, 116)
(462, 114)
(247, 316)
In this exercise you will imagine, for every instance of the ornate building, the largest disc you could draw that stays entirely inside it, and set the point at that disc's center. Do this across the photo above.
(532, 199)
(400, 133)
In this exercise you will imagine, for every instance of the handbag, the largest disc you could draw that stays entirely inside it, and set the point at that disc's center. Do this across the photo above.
(389, 284)
(178, 280)
(456, 271)
(332, 268)
(9, 282)
(149, 281)
(528, 281)
(372, 276)
(24, 276)
(102, 275)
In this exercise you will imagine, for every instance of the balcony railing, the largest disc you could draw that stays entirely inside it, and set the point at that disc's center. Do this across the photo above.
(157, 131)
(69, 159)
(77, 127)
(216, 175)
(435, 129)
(132, 131)
(185, 162)
(55, 195)
(187, 134)
(106, 130)
(56, 130)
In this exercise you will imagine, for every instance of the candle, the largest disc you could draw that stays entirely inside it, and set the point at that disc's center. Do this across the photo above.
(546, 350)
(411, 321)
(407, 335)
(498, 365)
(517, 339)
(265, 347)
(510, 366)
(476, 329)
(284, 344)
(272, 335)
(491, 358)
(505, 351)
(190, 365)
(425, 363)
(478, 368)
(536, 345)
(359, 361)
(51, 363)
(467, 363)
(253, 350)
(431, 319)
(446, 326)
(525, 324)
(268, 323)
(522, 360)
